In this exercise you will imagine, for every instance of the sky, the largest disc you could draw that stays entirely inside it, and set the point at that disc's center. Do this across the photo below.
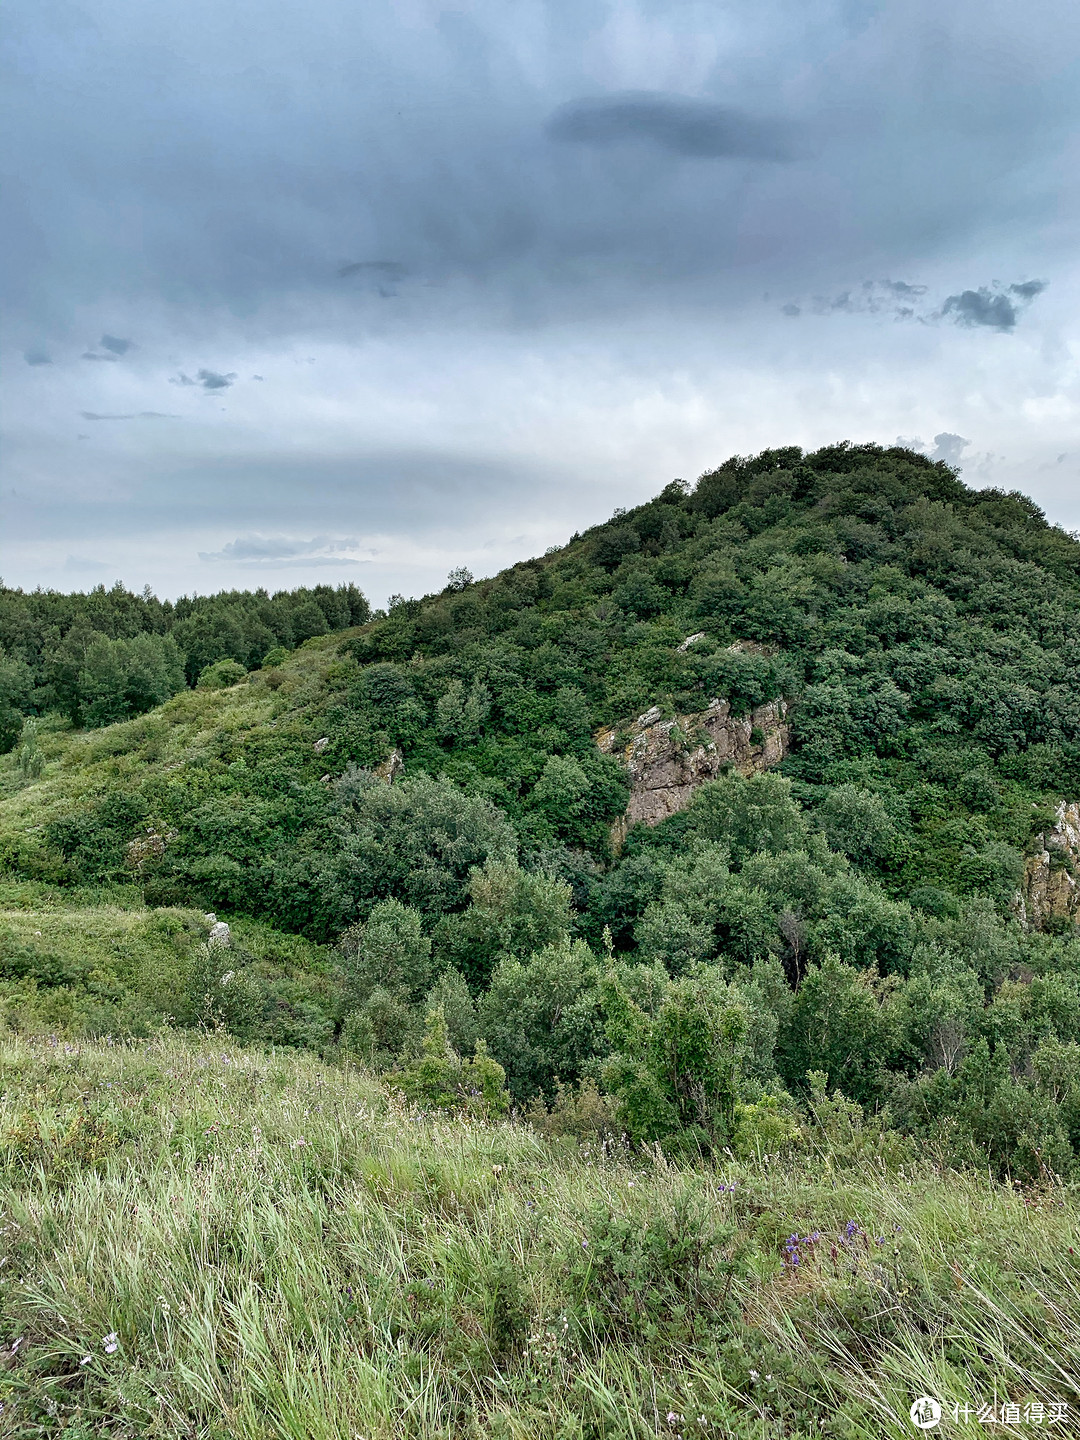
(326, 292)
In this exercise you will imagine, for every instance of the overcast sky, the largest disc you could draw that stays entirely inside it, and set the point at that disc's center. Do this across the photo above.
(336, 291)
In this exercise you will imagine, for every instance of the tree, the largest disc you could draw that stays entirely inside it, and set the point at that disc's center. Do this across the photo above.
(416, 841)
(749, 815)
(121, 678)
(676, 1070)
(389, 950)
(541, 1017)
(513, 913)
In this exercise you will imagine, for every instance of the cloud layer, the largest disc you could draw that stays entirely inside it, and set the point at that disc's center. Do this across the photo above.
(462, 278)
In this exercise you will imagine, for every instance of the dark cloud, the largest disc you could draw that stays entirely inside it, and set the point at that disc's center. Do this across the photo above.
(902, 288)
(115, 345)
(992, 306)
(206, 380)
(200, 178)
(947, 447)
(92, 355)
(982, 307)
(996, 307)
(37, 357)
(278, 550)
(138, 415)
(697, 129)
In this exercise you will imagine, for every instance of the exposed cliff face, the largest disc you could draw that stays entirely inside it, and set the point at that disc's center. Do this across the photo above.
(669, 759)
(1050, 889)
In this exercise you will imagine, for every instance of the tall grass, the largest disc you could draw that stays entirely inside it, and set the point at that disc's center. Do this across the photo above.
(281, 1249)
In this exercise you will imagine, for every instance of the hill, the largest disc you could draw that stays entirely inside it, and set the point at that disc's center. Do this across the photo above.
(771, 775)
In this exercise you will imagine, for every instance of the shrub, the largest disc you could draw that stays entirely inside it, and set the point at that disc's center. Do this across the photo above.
(675, 1072)
(654, 1279)
(221, 674)
(441, 1080)
(541, 1017)
(389, 950)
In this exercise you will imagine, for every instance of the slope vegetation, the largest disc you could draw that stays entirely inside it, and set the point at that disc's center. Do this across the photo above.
(849, 908)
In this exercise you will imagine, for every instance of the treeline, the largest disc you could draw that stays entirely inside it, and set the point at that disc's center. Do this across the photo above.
(110, 654)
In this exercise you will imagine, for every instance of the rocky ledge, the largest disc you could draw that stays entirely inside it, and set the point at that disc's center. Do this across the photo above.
(668, 759)
(1050, 889)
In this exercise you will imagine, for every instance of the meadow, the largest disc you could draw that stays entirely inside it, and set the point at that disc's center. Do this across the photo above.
(203, 1240)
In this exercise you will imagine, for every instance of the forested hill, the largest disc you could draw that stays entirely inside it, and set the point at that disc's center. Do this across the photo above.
(890, 905)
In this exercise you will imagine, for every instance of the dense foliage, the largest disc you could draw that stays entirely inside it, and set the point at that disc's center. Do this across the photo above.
(111, 654)
(848, 924)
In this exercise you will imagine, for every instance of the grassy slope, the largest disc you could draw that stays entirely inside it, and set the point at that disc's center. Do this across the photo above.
(282, 1250)
(102, 941)
(85, 763)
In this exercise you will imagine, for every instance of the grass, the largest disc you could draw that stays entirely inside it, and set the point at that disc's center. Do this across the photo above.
(95, 960)
(284, 1249)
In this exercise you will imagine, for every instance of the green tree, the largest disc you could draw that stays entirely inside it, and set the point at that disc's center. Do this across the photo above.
(748, 815)
(388, 949)
(676, 1070)
(541, 1017)
(512, 912)
(416, 841)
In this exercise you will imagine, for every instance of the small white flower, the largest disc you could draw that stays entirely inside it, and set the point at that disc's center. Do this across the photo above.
(111, 1345)
(85, 1360)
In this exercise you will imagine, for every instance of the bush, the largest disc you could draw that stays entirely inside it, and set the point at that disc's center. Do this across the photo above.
(541, 1017)
(654, 1279)
(389, 950)
(441, 1080)
(221, 674)
(675, 1071)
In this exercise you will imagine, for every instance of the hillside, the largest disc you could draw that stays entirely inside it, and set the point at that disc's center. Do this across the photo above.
(839, 689)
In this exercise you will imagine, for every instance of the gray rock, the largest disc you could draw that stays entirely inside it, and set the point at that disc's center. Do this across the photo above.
(668, 759)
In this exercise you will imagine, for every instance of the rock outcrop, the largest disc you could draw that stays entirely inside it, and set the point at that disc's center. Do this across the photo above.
(1051, 891)
(668, 759)
(220, 936)
(391, 768)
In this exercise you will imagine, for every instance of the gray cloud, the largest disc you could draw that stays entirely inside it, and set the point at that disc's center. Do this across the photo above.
(996, 307)
(37, 357)
(947, 447)
(202, 178)
(982, 307)
(285, 549)
(92, 355)
(697, 129)
(114, 345)
(206, 380)
(992, 306)
(136, 415)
